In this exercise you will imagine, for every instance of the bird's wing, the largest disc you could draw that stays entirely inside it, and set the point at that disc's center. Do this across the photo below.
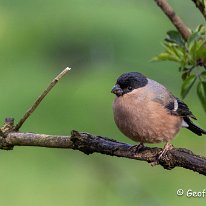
(174, 105)
(179, 108)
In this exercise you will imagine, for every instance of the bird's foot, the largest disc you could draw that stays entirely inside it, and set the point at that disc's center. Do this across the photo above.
(137, 148)
(166, 148)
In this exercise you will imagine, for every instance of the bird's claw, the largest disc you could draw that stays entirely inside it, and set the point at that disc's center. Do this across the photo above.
(166, 148)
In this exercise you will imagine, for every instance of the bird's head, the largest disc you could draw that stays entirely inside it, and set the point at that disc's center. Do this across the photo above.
(127, 82)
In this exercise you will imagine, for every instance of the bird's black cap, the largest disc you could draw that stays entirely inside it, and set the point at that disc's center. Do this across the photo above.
(132, 79)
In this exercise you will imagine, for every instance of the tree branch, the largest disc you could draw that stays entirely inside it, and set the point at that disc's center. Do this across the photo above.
(176, 20)
(200, 5)
(40, 98)
(89, 144)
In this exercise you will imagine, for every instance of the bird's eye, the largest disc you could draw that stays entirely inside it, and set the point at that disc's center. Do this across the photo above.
(129, 88)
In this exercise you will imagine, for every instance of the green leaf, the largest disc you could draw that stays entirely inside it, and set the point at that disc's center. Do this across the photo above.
(203, 75)
(187, 85)
(176, 52)
(192, 49)
(201, 29)
(196, 48)
(165, 57)
(201, 92)
(192, 43)
(201, 52)
(204, 85)
(175, 37)
(193, 37)
(185, 75)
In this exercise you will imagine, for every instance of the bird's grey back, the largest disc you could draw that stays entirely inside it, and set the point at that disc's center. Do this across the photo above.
(161, 94)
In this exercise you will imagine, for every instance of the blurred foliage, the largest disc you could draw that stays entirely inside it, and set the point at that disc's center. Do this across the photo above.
(191, 57)
(99, 40)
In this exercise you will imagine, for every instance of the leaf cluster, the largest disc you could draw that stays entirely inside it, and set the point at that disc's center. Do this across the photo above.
(191, 58)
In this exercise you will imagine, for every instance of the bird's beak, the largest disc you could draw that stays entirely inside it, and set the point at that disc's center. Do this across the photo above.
(117, 90)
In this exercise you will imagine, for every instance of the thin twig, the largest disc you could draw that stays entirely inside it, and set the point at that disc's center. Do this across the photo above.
(176, 20)
(40, 98)
(201, 6)
(88, 144)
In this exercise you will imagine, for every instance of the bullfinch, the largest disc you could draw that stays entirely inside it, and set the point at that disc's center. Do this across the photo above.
(146, 112)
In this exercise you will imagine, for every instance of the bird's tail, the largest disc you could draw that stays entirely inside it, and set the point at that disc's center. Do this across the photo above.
(194, 128)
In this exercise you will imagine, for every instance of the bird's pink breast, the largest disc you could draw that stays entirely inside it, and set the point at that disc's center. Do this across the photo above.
(144, 120)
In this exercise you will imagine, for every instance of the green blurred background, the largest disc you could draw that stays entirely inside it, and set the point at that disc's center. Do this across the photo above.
(100, 40)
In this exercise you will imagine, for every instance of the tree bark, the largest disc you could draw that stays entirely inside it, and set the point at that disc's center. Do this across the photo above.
(176, 20)
(88, 144)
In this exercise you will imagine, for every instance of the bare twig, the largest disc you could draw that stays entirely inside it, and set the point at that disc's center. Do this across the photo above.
(201, 6)
(176, 20)
(89, 144)
(40, 98)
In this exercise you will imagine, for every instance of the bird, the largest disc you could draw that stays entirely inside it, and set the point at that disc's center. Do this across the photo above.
(147, 112)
